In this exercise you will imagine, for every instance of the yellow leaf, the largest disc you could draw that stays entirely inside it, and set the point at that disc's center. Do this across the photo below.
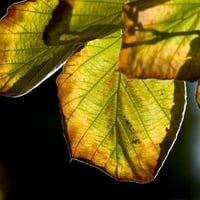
(124, 127)
(161, 40)
(159, 43)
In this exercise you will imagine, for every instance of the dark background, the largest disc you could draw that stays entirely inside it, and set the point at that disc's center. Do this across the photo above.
(36, 160)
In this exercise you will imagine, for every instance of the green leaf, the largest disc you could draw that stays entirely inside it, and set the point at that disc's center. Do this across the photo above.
(124, 127)
(37, 37)
(83, 20)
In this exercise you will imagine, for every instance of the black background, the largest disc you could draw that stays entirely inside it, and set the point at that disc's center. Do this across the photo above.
(37, 160)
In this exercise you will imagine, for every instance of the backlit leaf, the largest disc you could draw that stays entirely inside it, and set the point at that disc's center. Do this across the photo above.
(161, 40)
(124, 127)
(83, 20)
(38, 36)
(25, 59)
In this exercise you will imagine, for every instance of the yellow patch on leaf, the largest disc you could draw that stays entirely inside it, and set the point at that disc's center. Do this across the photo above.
(21, 41)
(124, 127)
(161, 40)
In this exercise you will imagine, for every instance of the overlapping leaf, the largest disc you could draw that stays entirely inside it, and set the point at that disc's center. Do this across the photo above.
(124, 127)
(161, 40)
(83, 20)
(37, 37)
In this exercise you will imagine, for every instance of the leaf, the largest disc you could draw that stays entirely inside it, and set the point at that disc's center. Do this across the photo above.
(124, 127)
(161, 40)
(37, 37)
(83, 20)
(109, 122)
(25, 60)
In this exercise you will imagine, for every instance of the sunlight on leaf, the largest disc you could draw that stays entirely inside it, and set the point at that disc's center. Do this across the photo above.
(37, 37)
(25, 59)
(124, 127)
(83, 20)
(162, 40)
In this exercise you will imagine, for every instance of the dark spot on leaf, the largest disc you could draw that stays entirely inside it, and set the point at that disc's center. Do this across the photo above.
(136, 140)
(58, 24)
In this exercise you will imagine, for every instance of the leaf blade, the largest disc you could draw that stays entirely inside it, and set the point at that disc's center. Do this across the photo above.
(84, 20)
(109, 123)
(161, 41)
(28, 56)
(25, 60)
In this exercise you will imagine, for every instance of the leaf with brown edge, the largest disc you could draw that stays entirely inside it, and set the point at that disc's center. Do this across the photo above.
(161, 40)
(124, 127)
